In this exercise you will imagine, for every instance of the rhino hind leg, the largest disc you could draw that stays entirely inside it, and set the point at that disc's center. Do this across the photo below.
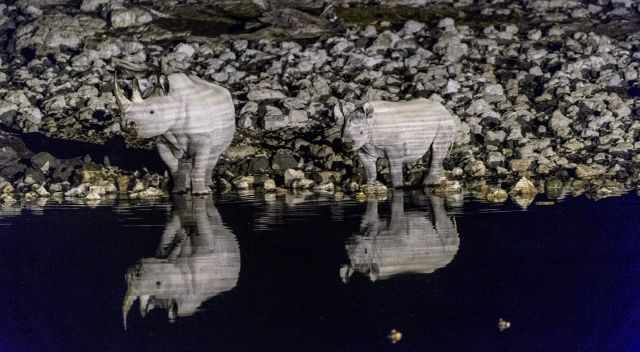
(199, 172)
(439, 150)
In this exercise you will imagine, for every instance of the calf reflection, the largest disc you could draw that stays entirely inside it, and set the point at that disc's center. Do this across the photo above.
(410, 242)
(198, 258)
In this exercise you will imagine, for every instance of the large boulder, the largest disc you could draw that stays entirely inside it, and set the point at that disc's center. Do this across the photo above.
(54, 31)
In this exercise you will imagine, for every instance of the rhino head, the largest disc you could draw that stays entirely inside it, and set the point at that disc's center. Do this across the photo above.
(148, 117)
(156, 283)
(355, 129)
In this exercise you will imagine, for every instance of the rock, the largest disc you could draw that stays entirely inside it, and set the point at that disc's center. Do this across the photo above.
(274, 119)
(283, 160)
(42, 192)
(524, 187)
(587, 172)
(243, 182)
(265, 95)
(495, 159)
(53, 31)
(78, 192)
(451, 47)
(520, 165)
(269, 185)
(372, 189)
(291, 175)
(412, 27)
(302, 183)
(44, 162)
(34, 176)
(298, 117)
(476, 168)
(8, 156)
(327, 187)
(123, 18)
(493, 93)
(239, 152)
(448, 187)
(92, 5)
(496, 195)
(495, 137)
(148, 193)
(559, 124)
(6, 188)
(7, 199)
(259, 165)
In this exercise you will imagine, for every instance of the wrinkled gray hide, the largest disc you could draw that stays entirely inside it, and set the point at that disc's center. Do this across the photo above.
(196, 120)
(198, 258)
(401, 132)
(409, 243)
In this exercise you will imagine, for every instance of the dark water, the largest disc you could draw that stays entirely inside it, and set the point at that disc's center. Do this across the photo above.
(295, 274)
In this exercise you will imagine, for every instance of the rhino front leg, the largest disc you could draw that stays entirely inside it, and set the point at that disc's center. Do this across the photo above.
(369, 162)
(439, 150)
(175, 166)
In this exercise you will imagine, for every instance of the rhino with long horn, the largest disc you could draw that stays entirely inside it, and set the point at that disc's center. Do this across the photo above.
(197, 258)
(196, 120)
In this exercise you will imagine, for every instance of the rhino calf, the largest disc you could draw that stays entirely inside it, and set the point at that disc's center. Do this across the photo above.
(401, 132)
(196, 120)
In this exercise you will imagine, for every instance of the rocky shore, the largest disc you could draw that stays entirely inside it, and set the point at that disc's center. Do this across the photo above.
(547, 91)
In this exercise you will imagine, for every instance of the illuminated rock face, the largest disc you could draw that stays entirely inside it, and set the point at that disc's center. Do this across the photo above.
(198, 258)
(409, 243)
(402, 132)
(196, 120)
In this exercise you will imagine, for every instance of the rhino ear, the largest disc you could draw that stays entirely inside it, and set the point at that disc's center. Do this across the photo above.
(368, 110)
(164, 83)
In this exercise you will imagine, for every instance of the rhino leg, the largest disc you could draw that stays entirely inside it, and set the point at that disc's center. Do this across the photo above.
(199, 172)
(175, 167)
(396, 162)
(439, 150)
(369, 162)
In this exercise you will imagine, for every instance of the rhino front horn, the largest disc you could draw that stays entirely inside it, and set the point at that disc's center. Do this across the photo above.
(122, 101)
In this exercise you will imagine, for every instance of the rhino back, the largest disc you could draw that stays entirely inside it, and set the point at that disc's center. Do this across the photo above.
(419, 248)
(209, 107)
(412, 124)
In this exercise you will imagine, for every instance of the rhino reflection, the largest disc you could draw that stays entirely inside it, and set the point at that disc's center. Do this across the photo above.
(410, 242)
(198, 258)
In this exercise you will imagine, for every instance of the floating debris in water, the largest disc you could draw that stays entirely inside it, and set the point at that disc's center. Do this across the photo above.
(394, 336)
(545, 203)
(503, 324)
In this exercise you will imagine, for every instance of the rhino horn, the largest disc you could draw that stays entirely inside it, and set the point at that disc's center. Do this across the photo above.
(129, 300)
(122, 101)
(345, 273)
(136, 96)
(344, 119)
(144, 304)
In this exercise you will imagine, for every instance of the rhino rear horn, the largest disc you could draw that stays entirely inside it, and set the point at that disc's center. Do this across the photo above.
(136, 96)
(121, 99)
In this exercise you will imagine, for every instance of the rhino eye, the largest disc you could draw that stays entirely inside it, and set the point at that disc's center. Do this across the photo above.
(152, 112)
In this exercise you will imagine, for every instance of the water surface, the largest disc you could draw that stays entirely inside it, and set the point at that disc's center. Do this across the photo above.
(310, 273)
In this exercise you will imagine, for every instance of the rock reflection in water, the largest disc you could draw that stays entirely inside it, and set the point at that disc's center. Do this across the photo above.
(414, 241)
(198, 258)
